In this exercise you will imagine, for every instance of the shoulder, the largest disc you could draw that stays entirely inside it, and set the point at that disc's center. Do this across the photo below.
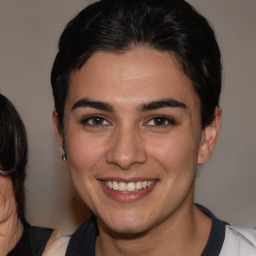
(239, 242)
(33, 240)
(57, 244)
(38, 237)
(39, 233)
(82, 240)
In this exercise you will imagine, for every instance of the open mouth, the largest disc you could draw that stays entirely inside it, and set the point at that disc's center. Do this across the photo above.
(128, 187)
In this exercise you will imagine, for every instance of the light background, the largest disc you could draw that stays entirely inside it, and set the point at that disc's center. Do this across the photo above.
(29, 31)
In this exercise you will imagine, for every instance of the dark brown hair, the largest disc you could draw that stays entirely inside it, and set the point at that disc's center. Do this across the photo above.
(171, 26)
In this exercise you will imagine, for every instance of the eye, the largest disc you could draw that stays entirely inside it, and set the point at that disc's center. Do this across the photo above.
(96, 121)
(161, 121)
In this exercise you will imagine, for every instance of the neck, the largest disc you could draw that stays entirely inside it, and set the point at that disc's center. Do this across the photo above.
(11, 230)
(10, 233)
(189, 226)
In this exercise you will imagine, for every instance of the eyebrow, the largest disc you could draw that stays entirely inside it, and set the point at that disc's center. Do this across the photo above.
(83, 103)
(101, 105)
(162, 104)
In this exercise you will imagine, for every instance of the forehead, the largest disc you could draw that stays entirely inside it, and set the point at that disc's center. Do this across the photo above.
(140, 74)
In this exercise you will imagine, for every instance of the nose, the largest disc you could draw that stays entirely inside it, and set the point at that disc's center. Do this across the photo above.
(126, 149)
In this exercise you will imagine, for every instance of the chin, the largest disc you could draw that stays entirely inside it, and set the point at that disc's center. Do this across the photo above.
(126, 230)
(126, 225)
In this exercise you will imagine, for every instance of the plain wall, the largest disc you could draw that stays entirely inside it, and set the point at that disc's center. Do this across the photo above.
(29, 32)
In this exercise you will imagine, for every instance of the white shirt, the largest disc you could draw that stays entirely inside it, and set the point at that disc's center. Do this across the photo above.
(239, 242)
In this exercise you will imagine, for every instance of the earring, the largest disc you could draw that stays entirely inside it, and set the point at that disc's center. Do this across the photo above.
(64, 157)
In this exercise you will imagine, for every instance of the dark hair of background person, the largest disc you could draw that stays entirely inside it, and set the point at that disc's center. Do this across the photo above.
(13, 150)
(117, 26)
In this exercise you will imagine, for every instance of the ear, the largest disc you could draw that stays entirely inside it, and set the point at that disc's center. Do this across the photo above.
(58, 132)
(209, 137)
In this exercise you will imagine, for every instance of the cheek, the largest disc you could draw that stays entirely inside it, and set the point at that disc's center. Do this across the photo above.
(176, 157)
(83, 151)
(85, 157)
(182, 166)
(176, 153)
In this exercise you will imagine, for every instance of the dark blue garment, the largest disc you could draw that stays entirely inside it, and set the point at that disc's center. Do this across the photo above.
(32, 242)
(82, 242)
(217, 234)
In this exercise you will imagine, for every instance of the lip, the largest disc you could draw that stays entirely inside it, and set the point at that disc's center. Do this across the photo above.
(127, 196)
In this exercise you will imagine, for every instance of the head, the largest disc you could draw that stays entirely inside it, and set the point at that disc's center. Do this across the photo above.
(136, 86)
(119, 26)
(13, 151)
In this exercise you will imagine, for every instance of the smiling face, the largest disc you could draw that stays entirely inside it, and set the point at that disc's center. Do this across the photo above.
(133, 138)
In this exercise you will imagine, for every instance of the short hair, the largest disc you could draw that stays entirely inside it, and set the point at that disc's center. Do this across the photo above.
(171, 26)
(13, 150)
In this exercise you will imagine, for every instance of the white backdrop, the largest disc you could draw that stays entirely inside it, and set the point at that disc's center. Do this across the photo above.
(29, 31)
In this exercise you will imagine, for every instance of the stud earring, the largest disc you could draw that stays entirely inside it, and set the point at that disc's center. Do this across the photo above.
(64, 157)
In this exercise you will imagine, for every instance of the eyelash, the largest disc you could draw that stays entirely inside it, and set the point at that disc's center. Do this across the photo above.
(170, 121)
(164, 121)
(93, 118)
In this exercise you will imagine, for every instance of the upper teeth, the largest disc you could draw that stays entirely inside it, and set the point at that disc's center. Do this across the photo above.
(128, 187)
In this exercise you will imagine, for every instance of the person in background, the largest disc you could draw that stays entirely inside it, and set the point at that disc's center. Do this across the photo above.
(17, 236)
(136, 86)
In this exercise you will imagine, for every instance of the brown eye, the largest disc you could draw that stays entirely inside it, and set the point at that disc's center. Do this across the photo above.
(95, 121)
(161, 121)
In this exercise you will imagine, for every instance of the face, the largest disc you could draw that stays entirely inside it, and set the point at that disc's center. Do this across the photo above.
(133, 138)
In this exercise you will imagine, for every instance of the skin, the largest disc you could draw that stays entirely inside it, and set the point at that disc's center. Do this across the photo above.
(130, 140)
(11, 228)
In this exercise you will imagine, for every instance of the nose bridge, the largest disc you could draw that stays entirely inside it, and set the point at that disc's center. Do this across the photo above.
(126, 147)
